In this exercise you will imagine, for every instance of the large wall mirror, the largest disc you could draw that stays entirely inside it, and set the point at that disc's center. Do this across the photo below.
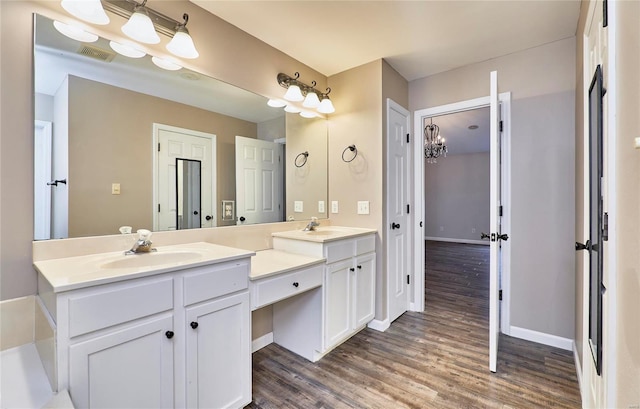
(110, 131)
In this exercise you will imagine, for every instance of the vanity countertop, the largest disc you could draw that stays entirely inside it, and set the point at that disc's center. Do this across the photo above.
(267, 263)
(324, 234)
(71, 273)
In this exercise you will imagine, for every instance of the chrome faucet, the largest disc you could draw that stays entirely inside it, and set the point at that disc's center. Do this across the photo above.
(142, 245)
(312, 224)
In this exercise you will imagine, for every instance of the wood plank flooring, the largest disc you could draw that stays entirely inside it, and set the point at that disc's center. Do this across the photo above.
(436, 359)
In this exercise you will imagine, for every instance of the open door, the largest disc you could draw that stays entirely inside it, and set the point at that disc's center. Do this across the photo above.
(496, 235)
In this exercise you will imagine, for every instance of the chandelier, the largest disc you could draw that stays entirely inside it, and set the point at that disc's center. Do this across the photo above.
(434, 146)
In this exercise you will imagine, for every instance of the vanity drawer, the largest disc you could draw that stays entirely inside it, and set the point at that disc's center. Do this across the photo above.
(273, 289)
(210, 282)
(118, 303)
(339, 250)
(366, 244)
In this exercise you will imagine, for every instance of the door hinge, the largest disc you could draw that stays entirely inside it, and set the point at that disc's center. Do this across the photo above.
(500, 126)
(408, 279)
(499, 210)
(158, 146)
(605, 227)
(408, 209)
(500, 295)
(158, 207)
(407, 138)
(605, 14)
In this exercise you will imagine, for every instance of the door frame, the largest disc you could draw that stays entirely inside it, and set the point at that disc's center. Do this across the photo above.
(157, 127)
(504, 99)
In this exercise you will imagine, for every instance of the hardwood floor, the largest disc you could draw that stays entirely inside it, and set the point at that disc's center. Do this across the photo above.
(436, 359)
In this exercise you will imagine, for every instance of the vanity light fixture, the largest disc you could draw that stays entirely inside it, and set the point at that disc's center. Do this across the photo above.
(299, 91)
(182, 44)
(276, 103)
(326, 106)
(90, 11)
(140, 27)
(165, 64)
(126, 50)
(75, 33)
(294, 93)
(311, 100)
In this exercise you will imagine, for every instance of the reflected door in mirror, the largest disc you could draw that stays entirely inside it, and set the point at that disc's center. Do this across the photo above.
(188, 188)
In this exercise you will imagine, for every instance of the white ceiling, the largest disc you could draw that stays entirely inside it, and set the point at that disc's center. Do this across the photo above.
(418, 38)
(459, 138)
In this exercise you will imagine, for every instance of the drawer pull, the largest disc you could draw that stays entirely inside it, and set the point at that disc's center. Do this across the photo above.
(169, 334)
(359, 267)
(194, 325)
(352, 269)
(296, 284)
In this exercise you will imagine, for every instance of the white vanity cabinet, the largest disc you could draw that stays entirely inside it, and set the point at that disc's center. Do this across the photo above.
(348, 287)
(177, 339)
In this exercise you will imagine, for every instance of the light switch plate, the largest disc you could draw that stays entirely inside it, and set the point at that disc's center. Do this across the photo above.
(363, 207)
(320, 206)
(297, 206)
(115, 188)
(334, 206)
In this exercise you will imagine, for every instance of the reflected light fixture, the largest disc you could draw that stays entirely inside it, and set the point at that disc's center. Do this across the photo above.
(75, 33)
(90, 11)
(182, 44)
(140, 27)
(308, 114)
(434, 146)
(165, 64)
(291, 109)
(126, 50)
(276, 103)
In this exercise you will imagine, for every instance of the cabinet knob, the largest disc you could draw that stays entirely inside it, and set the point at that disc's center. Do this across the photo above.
(296, 284)
(169, 334)
(194, 325)
(359, 267)
(352, 269)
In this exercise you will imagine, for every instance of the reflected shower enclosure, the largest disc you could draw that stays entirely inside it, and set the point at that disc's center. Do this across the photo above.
(188, 190)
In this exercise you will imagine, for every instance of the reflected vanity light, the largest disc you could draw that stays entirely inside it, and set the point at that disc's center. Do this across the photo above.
(308, 114)
(291, 109)
(276, 103)
(90, 11)
(165, 64)
(126, 50)
(75, 33)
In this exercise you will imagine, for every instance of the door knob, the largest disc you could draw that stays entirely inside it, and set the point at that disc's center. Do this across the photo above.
(194, 324)
(395, 226)
(169, 334)
(208, 217)
(484, 236)
(242, 218)
(586, 246)
(296, 284)
(503, 236)
(195, 212)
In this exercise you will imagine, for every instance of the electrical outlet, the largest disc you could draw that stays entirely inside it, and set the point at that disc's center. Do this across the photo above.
(320, 206)
(334, 206)
(363, 207)
(297, 206)
(115, 188)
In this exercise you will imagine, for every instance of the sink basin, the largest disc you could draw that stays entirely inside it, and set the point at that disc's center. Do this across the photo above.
(152, 259)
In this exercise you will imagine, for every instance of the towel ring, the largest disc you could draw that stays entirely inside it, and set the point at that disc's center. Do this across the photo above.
(351, 148)
(304, 155)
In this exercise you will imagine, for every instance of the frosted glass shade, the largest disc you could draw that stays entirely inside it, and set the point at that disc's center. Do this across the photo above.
(291, 109)
(182, 45)
(308, 114)
(276, 103)
(293, 93)
(311, 101)
(140, 28)
(165, 64)
(326, 106)
(86, 10)
(75, 33)
(126, 50)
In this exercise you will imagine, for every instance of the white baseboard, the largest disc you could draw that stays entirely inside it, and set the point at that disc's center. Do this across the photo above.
(464, 241)
(542, 338)
(379, 325)
(261, 342)
(576, 358)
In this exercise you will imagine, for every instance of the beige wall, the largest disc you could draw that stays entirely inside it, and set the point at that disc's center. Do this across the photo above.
(542, 82)
(457, 196)
(110, 141)
(233, 59)
(626, 342)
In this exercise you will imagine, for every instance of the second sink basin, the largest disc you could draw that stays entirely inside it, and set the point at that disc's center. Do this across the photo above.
(152, 259)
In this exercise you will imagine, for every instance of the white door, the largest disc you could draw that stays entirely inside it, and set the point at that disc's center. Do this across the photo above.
(494, 225)
(398, 231)
(177, 143)
(258, 181)
(130, 368)
(42, 176)
(219, 353)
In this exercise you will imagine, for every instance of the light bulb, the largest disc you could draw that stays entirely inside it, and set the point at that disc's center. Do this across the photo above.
(293, 93)
(182, 45)
(140, 27)
(87, 10)
(75, 33)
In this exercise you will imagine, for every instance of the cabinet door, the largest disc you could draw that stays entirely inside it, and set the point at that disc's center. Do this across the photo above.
(128, 368)
(337, 302)
(219, 353)
(364, 290)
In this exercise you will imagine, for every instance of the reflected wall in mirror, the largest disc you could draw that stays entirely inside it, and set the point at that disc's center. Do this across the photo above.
(102, 114)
